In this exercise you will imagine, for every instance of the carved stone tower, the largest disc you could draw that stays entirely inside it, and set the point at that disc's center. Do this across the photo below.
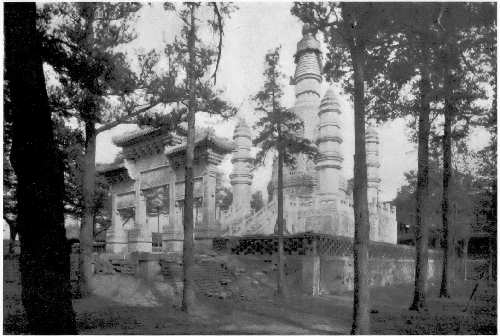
(307, 81)
(372, 164)
(329, 139)
(241, 177)
(301, 180)
(372, 167)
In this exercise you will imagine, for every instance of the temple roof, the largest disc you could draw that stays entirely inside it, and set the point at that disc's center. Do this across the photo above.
(205, 136)
(133, 137)
(113, 172)
(107, 167)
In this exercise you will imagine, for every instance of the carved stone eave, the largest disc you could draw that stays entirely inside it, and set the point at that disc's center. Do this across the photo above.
(152, 146)
(117, 175)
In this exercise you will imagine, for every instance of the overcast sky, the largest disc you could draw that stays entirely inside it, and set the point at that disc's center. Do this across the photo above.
(254, 29)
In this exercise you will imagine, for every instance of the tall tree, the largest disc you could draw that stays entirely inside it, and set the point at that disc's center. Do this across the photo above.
(44, 259)
(278, 131)
(352, 31)
(9, 176)
(465, 29)
(196, 59)
(461, 194)
(402, 82)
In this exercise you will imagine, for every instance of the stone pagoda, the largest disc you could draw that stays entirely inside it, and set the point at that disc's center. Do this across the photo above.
(317, 197)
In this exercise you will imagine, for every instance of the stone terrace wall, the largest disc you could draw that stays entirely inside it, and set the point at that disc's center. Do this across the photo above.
(327, 262)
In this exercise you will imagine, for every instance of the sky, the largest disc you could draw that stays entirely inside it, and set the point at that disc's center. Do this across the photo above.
(253, 30)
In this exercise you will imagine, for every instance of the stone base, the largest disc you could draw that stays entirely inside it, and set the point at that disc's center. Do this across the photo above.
(202, 246)
(114, 247)
(140, 246)
(172, 246)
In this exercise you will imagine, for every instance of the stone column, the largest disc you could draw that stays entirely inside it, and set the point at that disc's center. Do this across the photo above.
(140, 237)
(208, 227)
(116, 236)
(330, 160)
(172, 239)
(372, 167)
(241, 178)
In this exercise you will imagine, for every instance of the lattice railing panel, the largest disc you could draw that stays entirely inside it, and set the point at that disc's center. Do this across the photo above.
(313, 244)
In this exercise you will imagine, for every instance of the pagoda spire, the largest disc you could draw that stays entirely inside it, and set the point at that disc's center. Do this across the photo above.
(329, 163)
(241, 176)
(307, 80)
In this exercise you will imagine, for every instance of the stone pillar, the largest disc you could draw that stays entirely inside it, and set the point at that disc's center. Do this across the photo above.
(208, 227)
(172, 239)
(329, 139)
(116, 236)
(373, 164)
(241, 178)
(140, 237)
(372, 167)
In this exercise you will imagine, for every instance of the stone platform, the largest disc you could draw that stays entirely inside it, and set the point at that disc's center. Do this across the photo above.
(324, 263)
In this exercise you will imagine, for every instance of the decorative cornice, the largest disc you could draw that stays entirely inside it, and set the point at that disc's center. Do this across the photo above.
(316, 93)
(241, 178)
(326, 138)
(207, 138)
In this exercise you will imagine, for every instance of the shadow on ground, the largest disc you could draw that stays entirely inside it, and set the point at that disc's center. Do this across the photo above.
(265, 314)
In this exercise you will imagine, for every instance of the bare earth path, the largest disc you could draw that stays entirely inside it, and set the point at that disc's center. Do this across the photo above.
(297, 315)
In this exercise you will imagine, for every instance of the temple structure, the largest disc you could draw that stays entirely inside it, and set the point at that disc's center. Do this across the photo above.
(317, 197)
(147, 190)
(147, 185)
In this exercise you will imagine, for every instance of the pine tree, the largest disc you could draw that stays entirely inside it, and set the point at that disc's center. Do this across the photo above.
(406, 59)
(464, 28)
(79, 42)
(196, 59)
(455, 64)
(278, 131)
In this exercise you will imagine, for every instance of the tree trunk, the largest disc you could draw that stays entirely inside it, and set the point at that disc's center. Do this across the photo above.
(44, 260)
(446, 209)
(87, 223)
(281, 287)
(188, 297)
(421, 229)
(361, 310)
(12, 234)
(466, 257)
(491, 256)
(12, 241)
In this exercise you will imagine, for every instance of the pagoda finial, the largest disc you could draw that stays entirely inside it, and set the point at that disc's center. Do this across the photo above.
(308, 29)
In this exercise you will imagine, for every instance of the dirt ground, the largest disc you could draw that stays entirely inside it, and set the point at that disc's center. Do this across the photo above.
(262, 314)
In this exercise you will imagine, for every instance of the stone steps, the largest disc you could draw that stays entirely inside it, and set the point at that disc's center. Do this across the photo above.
(123, 266)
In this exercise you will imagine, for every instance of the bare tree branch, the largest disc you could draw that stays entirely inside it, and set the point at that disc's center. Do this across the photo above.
(221, 33)
(124, 118)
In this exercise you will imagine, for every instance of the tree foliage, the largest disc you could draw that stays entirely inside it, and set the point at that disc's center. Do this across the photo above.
(194, 59)
(461, 196)
(257, 202)
(274, 117)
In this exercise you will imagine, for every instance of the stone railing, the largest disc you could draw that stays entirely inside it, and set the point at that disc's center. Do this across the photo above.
(261, 221)
(312, 244)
